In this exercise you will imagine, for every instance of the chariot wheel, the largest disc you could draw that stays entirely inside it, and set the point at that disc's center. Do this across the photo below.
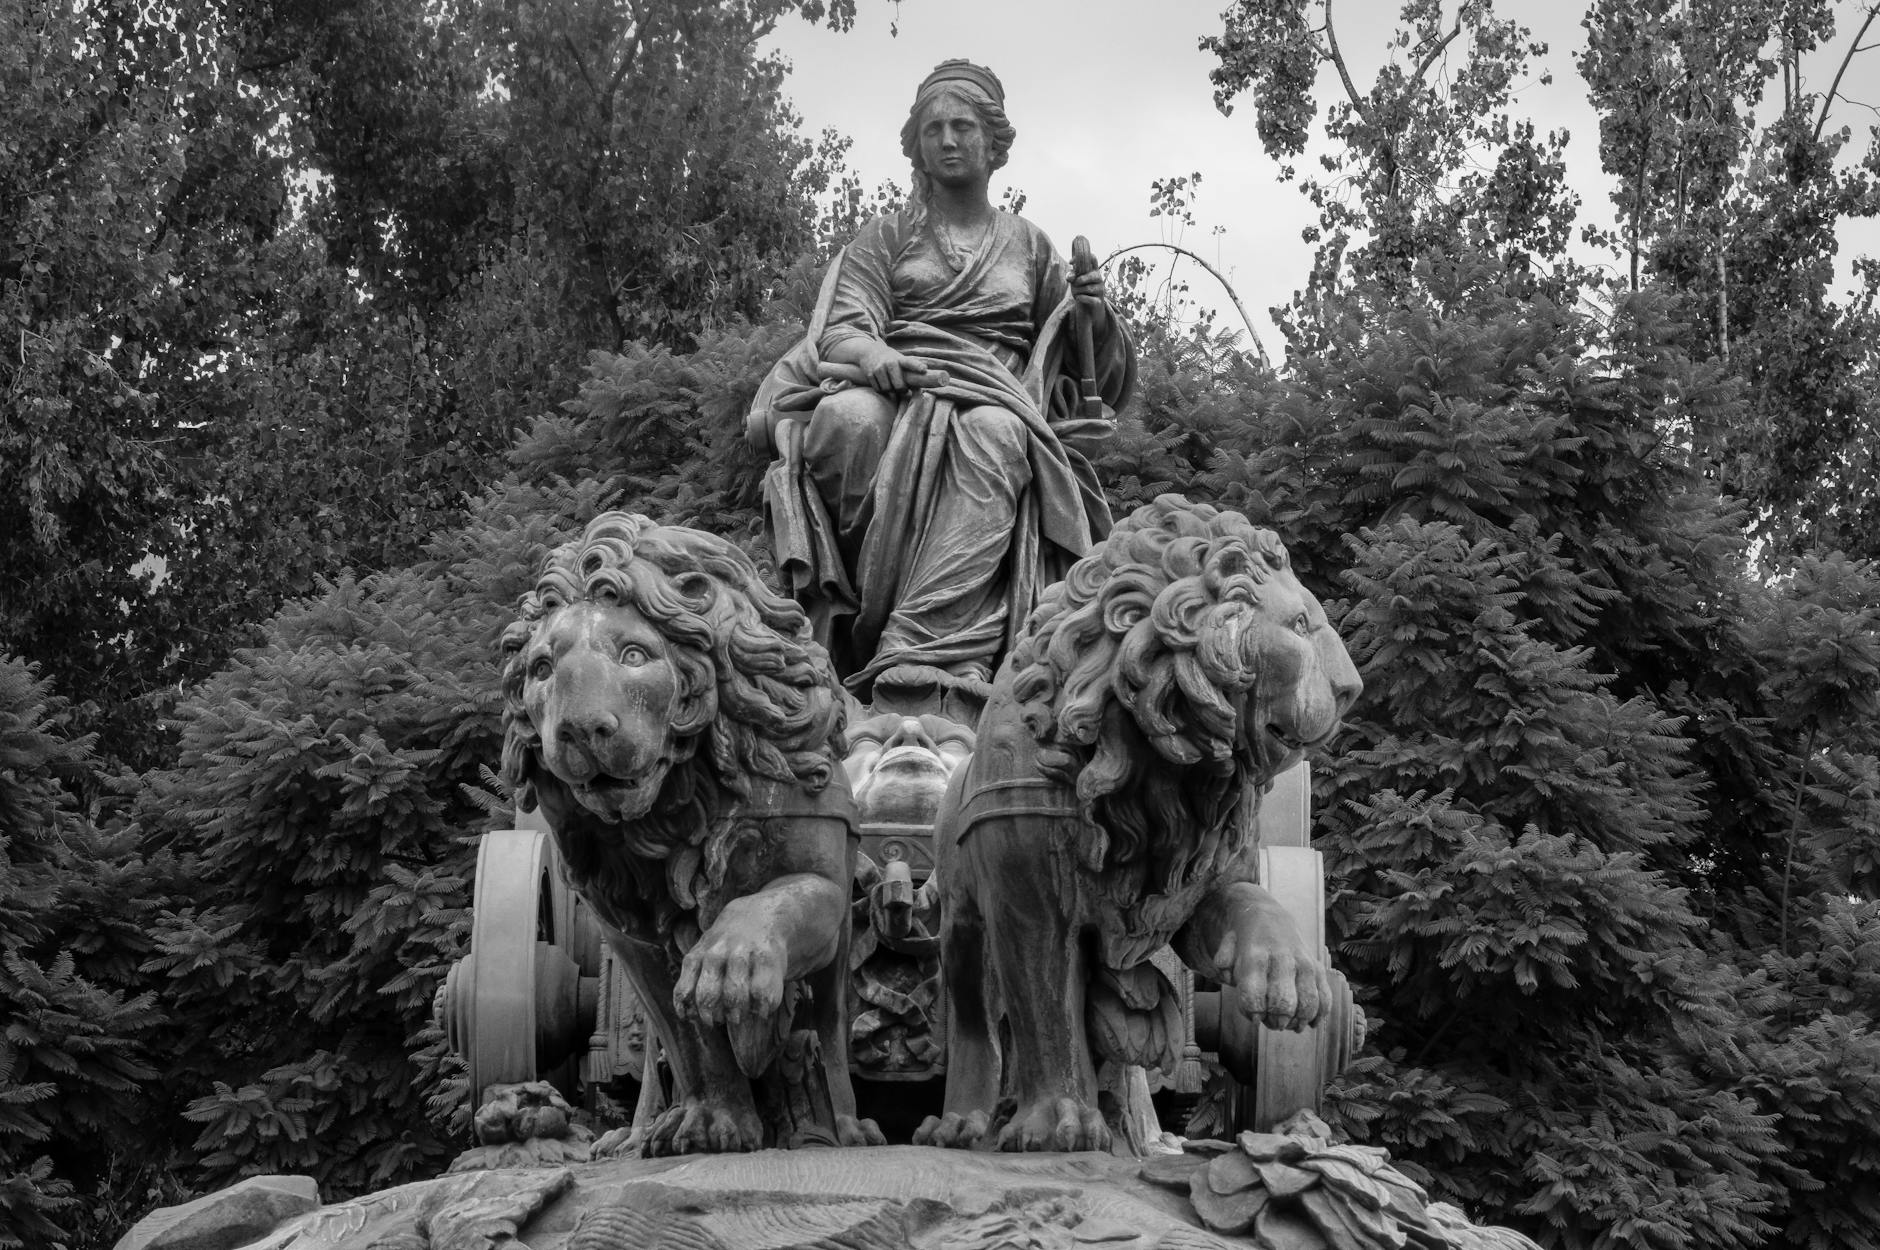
(522, 1002)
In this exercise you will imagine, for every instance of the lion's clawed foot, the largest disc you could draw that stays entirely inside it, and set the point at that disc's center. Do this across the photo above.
(953, 1131)
(618, 1143)
(851, 1131)
(1060, 1123)
(703, 1126)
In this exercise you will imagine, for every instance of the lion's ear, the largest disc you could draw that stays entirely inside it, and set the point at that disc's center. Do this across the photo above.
(524, 795)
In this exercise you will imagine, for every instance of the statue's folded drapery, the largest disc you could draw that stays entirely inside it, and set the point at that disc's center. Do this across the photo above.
(935, 559)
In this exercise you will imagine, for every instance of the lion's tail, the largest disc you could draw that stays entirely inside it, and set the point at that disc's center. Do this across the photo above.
(1134, 1016)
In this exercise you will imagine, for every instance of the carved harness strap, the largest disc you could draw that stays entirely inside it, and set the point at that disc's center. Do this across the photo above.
(1023, 796)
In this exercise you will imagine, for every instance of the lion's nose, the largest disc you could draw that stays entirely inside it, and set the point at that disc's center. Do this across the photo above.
(1346, 687)
(587, 730)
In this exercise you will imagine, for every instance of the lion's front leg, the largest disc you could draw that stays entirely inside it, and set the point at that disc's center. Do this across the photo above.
(1241, 936)
(712, 1111)
(1033, 946)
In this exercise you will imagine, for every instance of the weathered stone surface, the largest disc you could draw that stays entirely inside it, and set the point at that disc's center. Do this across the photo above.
(226, 1219)
(466, 1211)
(901, 1198)
(879, 1199)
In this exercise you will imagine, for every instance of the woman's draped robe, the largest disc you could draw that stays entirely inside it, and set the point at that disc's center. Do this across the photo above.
(909, 589)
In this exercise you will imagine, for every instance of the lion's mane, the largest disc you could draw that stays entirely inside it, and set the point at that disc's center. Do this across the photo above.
(1134, 688)
(772, 706)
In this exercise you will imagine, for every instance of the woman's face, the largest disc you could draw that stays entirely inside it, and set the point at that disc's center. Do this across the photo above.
(954, 149)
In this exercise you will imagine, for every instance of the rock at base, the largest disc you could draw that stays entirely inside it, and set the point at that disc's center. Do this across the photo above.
(226, 1219)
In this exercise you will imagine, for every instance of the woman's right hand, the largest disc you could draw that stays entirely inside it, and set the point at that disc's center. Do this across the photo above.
(887, 369)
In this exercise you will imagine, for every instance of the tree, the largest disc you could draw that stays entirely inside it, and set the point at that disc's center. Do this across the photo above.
(289, 278)
(1539, 587)
(319, 809)
(1739, 216)
(1430, 152)
(323, 806)
(92, 177)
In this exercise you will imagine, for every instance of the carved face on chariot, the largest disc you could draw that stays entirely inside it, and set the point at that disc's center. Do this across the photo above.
(899, 766)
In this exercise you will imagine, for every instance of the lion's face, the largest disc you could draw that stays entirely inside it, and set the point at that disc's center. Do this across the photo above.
(600, 686)
(1306, 681)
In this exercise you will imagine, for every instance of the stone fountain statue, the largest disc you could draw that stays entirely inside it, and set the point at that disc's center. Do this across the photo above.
(933, 426)
(1063, 740)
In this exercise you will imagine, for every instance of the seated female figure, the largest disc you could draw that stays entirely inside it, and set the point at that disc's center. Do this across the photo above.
(944, 485)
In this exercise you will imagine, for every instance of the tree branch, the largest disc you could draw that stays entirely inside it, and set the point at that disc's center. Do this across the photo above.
(1337, 58)
(1795, 825)
(1834, 88)
(1430, 58)
(1227, 286)
(574, 52)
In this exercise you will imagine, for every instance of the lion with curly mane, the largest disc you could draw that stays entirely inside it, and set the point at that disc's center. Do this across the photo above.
(1108, 810)
(682, 735)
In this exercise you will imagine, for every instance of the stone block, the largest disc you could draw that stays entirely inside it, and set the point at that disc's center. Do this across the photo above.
(226, 1219)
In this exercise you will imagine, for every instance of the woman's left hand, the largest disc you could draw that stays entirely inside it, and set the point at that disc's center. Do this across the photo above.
(1093, 297)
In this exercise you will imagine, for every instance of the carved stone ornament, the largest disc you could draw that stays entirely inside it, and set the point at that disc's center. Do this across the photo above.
(899, 767)
(1297, 1189)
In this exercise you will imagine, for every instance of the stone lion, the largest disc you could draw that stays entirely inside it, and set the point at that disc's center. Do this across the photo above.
(683, 736)
(1108, 810)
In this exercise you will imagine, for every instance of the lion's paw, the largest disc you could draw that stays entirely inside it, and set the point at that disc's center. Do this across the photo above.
(699, 1126)
(953, 1131)
(1056, 1124)
(733, 975)
(618, 1143)
(852, 1131)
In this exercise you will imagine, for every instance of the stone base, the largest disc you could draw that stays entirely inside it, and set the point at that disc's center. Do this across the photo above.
(1293, 1191)
(884, 1198)
(225, 1219)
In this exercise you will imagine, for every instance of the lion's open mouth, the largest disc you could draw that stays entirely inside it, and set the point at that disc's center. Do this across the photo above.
(621, 798)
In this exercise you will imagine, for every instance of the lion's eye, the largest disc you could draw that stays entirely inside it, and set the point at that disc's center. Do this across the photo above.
(541, 668)
(633, 655)
(1301, 625)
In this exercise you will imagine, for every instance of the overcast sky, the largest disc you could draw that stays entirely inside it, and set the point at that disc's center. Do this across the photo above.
(1110, 94)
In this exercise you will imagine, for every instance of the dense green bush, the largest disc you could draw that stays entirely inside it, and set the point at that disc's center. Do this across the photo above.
(1598, 775)
(80, 1041)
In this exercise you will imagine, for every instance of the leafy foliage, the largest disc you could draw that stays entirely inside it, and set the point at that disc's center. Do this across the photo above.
(1558, 825)
(1420, 157)
(78, 1039)
(290, 278)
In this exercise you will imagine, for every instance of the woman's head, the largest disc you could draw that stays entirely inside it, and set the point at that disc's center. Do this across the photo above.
(954, 87)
